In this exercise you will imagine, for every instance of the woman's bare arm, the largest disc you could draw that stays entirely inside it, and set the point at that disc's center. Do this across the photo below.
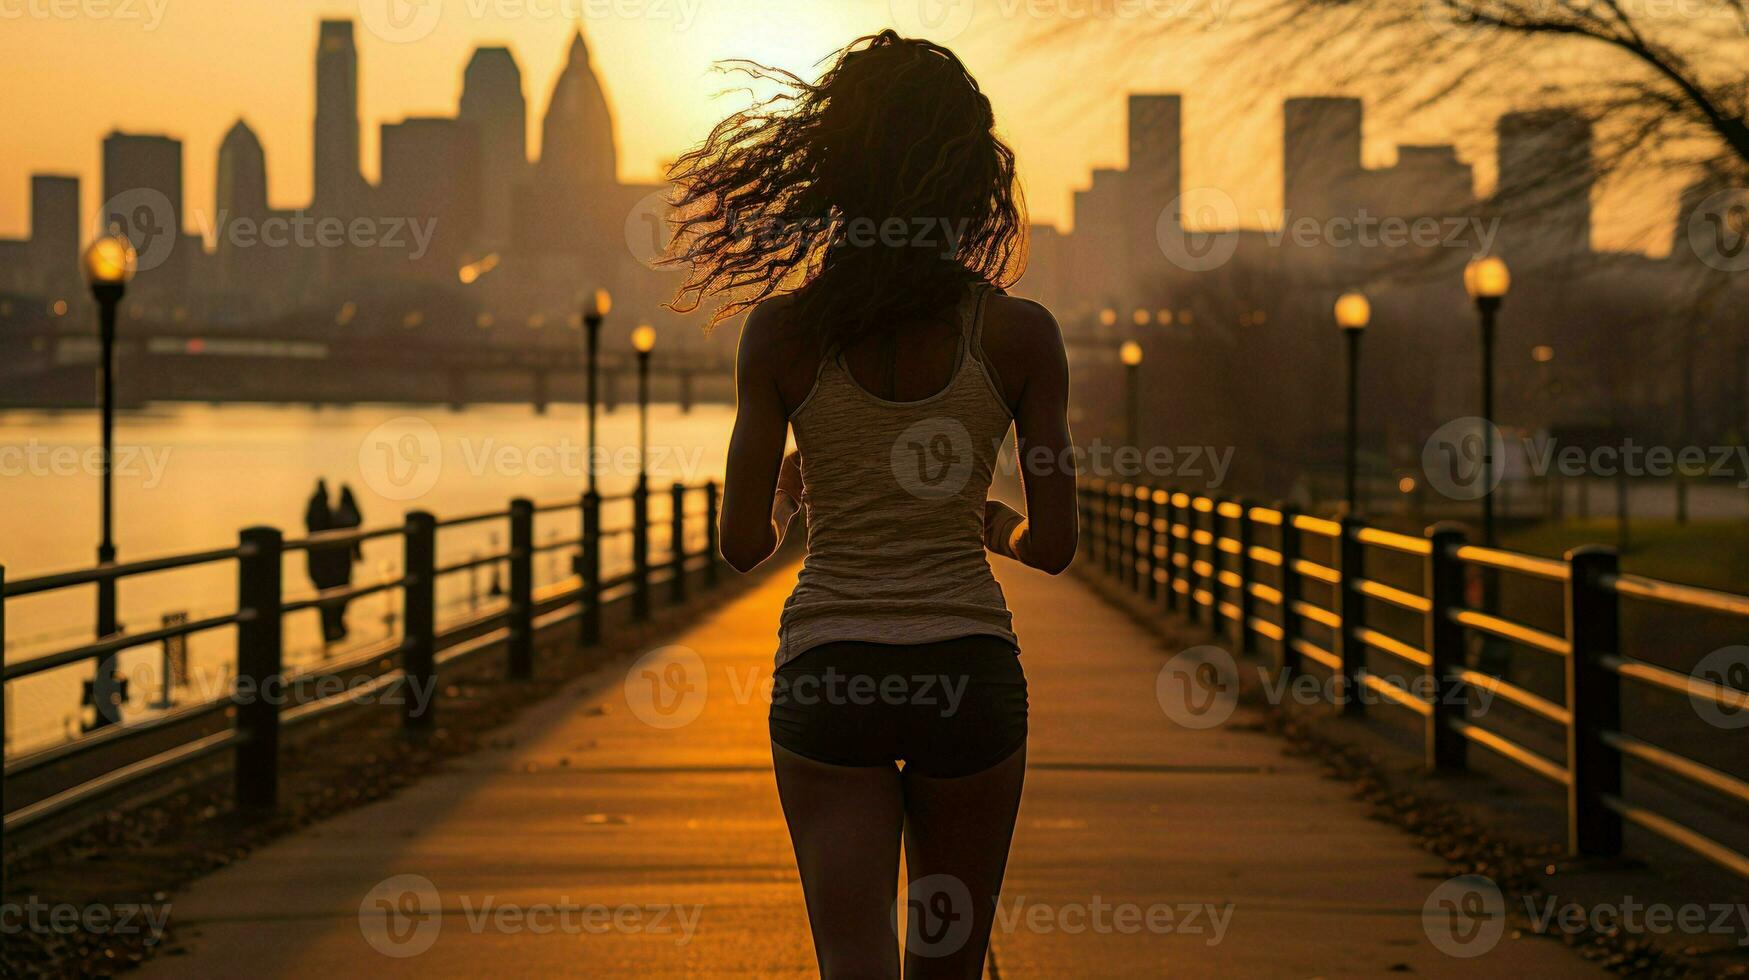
(755, 514)
(1029, 355)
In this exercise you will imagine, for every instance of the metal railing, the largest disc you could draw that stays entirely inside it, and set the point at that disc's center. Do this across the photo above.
(257, 719)
(1199, 556)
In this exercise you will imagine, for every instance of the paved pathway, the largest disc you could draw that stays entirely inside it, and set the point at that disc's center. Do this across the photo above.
(587, 806)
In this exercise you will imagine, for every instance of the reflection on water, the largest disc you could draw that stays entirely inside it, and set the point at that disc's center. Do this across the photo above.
(190, 477)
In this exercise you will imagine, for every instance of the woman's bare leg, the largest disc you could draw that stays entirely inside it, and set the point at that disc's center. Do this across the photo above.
(845, 823)
(957, 833)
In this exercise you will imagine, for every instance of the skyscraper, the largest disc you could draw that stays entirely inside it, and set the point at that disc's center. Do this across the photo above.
(493, 105)
(1544, 191)
(239, 203)
(54, 232)
(339, 185)
(573, 202)
(430, 176)
(1320, 156)
(579, 154)
(142, 188)
(1156, 144)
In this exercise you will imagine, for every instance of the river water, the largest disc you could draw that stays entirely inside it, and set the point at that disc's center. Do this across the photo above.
(191, 476)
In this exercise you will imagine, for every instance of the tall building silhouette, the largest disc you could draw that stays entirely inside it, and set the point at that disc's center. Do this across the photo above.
(339, 184)
(430, 173)
(54, 232)
(1544, 191)
(1156, 149)
(579, 153)
(574, 197)
(1320, 156)
(142, 200)
(239, 205)
(493, 105)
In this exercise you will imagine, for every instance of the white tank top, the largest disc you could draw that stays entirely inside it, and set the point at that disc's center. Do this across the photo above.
(894, 495)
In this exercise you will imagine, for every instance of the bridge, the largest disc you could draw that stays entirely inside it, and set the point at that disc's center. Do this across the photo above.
(620, 817)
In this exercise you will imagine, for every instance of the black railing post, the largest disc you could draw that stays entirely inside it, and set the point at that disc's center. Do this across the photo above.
(260, 650)
(712, 559)
(1170, 561)
(419, 645)
(1193, 579)
(677, 543)
(641, 551)
(1247, 604)
(1130, 532)
(521, 589)
(1351, 606)
(1291, 664)
(589, 596)
(1113, 530)
(1447, 749)
(1594, 698)
(1089, 538)
(1149, 522)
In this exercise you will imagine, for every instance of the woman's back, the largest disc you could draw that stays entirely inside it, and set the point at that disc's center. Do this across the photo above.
(894, 496)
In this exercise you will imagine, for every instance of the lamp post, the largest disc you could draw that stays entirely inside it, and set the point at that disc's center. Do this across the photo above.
(643, 341)
(595, 309)
(1131, 355)
(109, 266)
(1487, 280)
(1353, 313)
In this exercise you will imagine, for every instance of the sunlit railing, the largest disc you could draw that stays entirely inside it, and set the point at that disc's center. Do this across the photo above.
(249, 726)
(1200, 557)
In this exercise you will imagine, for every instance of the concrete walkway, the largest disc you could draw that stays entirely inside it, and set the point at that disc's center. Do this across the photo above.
(592, 842)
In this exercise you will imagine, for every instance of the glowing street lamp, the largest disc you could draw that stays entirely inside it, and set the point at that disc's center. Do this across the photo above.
(596, 307)
(109, 267)
(1487, 280)
(1353, 313)
(1131, 355)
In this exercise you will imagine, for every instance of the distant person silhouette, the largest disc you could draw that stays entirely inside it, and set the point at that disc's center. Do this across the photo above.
(346, 517)
(323, 569)
(889, 221)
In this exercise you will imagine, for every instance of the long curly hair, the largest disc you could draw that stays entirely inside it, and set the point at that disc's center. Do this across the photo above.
(876, 195)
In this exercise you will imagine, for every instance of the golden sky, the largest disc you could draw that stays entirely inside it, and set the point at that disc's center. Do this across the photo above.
(74, 69)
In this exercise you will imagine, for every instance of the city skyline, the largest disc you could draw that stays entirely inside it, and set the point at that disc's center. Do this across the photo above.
(1054, 168)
